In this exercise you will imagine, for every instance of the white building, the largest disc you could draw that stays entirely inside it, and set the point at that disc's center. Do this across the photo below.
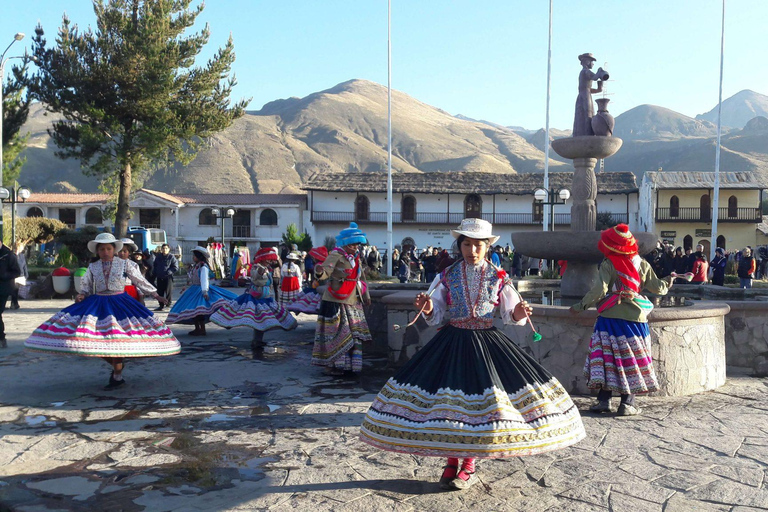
(428, 205)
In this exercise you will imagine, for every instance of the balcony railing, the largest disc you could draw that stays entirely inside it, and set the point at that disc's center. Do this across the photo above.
(241, 231)
(693, 214)
(452, 219)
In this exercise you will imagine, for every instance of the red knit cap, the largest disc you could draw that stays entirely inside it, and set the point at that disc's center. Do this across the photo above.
(319, 253)
(265, 254)
(617, 241)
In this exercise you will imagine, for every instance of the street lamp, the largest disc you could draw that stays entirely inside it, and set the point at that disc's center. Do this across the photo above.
(16, 195)
(552, 198)
(18, 37)
(223, 213)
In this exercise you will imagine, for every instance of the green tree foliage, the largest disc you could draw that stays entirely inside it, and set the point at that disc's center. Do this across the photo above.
(292, 236)
(37, 230)
(15, 112)
(76, 242)
(604, 220)
(130, 93)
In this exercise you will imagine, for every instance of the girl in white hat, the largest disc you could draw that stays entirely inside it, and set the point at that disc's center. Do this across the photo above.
(471, 392)
(129, 247)
(290, 279)
(198, 302)
(105, 322)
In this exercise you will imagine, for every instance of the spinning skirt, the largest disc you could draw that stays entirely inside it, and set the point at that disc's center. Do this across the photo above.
(306, 302)
(339, 336)
(258, 314)
(105, 326)
(192, 304)
(289, 289)
(472, 393)
(620, 357)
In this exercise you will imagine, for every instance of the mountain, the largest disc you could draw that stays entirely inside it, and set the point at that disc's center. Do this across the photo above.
(651, 122)
(739, 109)
(344, 128)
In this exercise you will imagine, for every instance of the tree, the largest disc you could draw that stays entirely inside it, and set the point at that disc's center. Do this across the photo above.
(604, 220)
(131, 97)
(76, 240)
(293, 237)
(15, 113)
(37, 230)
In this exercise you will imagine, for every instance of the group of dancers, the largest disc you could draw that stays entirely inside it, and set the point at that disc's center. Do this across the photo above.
(469, 393)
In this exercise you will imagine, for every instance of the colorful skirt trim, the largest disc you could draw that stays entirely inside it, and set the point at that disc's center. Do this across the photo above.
(472, 393)
(105, 326)
(306, 302)
(192, 304)
(339, 336)
(620, 357)
(258, 314)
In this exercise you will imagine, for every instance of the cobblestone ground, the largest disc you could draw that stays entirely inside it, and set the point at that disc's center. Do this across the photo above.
(219, 427)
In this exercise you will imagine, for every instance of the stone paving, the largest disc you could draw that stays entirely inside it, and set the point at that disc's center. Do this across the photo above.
(221, 428)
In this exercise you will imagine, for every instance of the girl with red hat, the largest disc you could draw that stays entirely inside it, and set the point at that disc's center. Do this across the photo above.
(257, 308)
(308, 301)
(620, 348)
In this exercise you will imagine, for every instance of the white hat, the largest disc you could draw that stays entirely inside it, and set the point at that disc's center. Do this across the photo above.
(129, 242)
(293, 256)
(104, 238)
(203, 251)
(478, 229)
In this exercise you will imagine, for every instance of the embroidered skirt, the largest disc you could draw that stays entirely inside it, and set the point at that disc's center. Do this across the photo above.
(105, 326)
(339, 336)
(258, 314)
(192, 304)
(306, 302)
(472, 393)
(620, 357)
(289, 289)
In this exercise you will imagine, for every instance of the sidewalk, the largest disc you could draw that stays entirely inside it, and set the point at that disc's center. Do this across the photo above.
(219, 428)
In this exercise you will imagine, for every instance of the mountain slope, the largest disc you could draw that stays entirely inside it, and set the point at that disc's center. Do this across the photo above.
(651, 122)
(739, 109)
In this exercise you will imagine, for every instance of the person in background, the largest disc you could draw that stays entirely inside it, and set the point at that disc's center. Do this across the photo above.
(495, 257)
(395, 261)
(690, 258)
(290, 280)
(517, 264)
(746, 268)
(681, 265)
(21, 279)
(717, 266)
(9, 271)
(700, 268)
(166, 265)
(404, 268)
(430, 265)
(149, 264)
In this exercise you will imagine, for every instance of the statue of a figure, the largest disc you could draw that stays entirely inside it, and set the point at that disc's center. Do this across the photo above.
(582, 120)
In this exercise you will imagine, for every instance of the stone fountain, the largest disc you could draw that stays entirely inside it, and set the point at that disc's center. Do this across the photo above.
(592, 139)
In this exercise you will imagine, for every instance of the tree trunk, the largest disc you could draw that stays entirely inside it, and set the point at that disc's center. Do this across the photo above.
(123, 199)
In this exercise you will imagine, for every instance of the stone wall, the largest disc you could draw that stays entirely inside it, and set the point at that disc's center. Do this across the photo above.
(746, 332)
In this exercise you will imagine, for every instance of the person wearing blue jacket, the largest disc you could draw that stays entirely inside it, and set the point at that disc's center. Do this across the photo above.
(717, 266)
(166, 265)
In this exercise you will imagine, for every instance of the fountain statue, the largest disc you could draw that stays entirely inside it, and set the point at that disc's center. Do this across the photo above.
(585, 147)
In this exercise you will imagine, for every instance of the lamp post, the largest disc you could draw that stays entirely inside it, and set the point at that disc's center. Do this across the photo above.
(552, 198)
(16, 195)
(18, 37)
(223, 213)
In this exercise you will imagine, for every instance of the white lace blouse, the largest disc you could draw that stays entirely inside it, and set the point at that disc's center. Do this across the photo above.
(110, 277)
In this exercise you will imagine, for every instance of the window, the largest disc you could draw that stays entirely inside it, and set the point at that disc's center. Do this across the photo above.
(241, 224)
(149, 217)
(705, 207)
(268, 217)
(408, 208)
(538, 211)
(687, 242)
(721, 241)
(362, 208)
(674, 206)
(68, 216)
(733, 207)
(93, 216)
(473, 207)
(34, 212)
(206, 217)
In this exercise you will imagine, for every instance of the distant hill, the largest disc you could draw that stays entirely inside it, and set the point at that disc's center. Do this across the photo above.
(739, 109)
(343, 128)
(651, 122)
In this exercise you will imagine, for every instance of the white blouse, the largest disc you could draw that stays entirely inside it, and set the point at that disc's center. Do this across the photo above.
(508, 300)
(111, 277)
(291, 269)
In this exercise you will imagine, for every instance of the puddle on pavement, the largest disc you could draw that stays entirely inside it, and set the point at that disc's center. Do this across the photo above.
(35, 420)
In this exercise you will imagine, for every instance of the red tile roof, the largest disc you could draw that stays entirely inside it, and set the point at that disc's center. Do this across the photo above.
(59, 198)
(228, 199)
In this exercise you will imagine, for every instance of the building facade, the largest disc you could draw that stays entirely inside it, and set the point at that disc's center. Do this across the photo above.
(677, 206)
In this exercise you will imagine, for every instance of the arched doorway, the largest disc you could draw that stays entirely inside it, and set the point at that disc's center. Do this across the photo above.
(362, 208)
(687, 242)
(721, 241)
(705, 207)
(473, 207)
(706, 244)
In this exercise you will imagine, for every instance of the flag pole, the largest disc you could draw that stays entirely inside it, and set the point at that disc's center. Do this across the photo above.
(545, 218)
(390, 247)
(716, 198)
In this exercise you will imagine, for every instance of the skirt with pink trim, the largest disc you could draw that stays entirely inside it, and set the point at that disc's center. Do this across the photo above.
(192, 304)
(472, 393)
(105, 326)
(258, 314)
(307, 302)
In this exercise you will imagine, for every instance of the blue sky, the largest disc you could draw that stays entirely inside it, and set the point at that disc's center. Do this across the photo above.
(485, 59)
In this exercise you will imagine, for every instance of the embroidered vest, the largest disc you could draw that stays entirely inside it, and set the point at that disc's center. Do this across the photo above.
(471, 310)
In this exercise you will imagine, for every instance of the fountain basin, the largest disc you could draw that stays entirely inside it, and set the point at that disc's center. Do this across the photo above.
(586, 146)
(571, 245)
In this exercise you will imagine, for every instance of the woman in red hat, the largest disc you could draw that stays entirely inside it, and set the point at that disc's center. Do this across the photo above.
(620, 348)
(308, 301)
(257, 308)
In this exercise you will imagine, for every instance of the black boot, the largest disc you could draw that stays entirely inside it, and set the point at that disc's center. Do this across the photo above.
(257, 343)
